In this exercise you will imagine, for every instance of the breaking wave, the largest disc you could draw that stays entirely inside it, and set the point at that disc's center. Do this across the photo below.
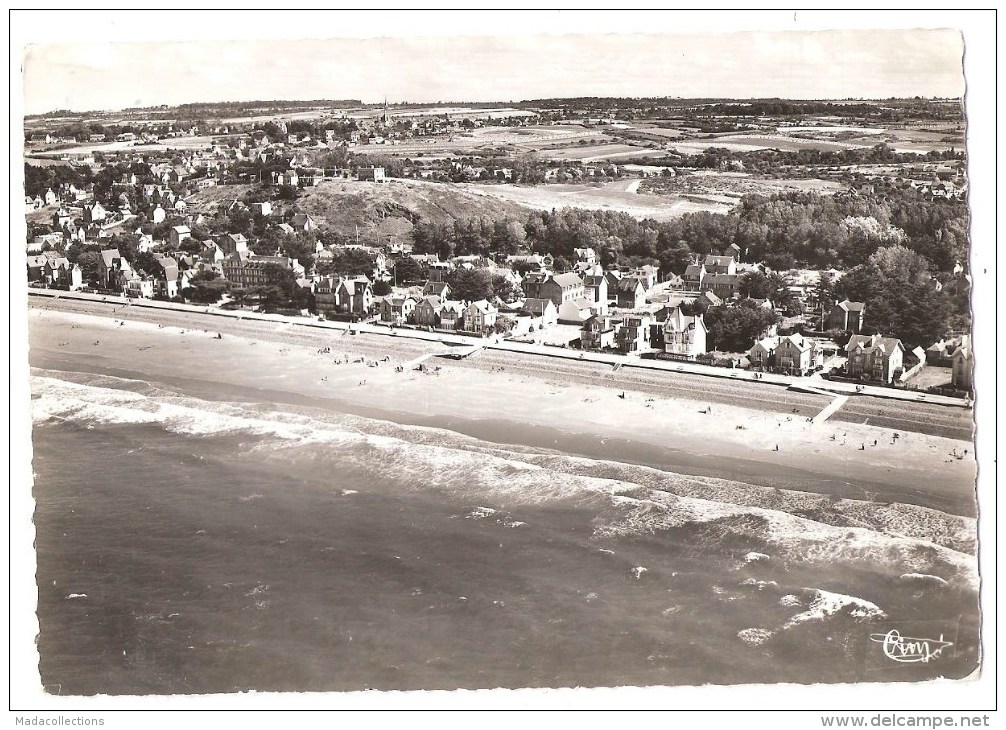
(630, 500)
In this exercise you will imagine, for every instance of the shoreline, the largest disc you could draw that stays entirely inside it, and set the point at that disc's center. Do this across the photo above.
(668, 432)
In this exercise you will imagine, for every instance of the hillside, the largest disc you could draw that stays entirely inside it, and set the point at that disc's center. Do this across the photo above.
(392, 208)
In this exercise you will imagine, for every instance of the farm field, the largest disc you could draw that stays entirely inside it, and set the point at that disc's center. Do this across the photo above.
(725, 185)
(614, 196)
(595, 153)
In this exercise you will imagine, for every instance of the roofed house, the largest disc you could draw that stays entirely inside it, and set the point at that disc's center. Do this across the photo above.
(177, 234)
(633, 334)
(113, 266)
(355, 295)
(543, 310)
(874, 357)
(595, 290)
(720, 264)
(962, 367)
(762, 355)
(846, 316)
(725, 286)
(597, 333)
(630, 293)
(451, 314)
(427, 311)
(439, 289)
(232, 243)
(166, 280)
(303, 222)
(797, 355)
(532, 282)
(561, 288)
(397, 309)
(684, 335)
(694, 276)
(479, 317)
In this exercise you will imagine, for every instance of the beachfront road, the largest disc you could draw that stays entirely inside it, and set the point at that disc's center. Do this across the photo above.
(898, 415)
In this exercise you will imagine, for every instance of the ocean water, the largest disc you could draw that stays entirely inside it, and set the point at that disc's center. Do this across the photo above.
(187, 545)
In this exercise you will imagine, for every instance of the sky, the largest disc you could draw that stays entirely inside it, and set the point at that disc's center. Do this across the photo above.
(831, 64)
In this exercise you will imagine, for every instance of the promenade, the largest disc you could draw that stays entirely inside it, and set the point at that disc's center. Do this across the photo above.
(498, 343)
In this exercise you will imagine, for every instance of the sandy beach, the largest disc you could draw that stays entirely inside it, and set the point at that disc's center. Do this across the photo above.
(863, 461)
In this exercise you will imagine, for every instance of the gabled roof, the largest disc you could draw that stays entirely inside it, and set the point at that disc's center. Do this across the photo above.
(537, 306)
(630, 283)
(712, 260)
(873, 343)
(852, 306)
(695, 270)
(566, 280)
(109, 255)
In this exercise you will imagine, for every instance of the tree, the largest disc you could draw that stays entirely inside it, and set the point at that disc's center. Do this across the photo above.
(505, 289)
(735, 329)
(381, 288)
(206, 287)
(503, 325)
(408, 271)
(470, 284)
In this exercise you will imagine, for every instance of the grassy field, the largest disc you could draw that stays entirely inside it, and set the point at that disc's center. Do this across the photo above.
(392, 209)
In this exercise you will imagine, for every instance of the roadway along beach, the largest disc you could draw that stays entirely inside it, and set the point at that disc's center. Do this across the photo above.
(711, 425)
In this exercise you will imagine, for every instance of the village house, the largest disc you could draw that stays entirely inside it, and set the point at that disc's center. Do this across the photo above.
(597, 333)
(684, 335)
(542, 311)
(36, 268)
(451, 314)
(263, 208)
(397, 310)
(694, 277)
(875, 357)
(532, 282)
(303, 222)
(720, 264)
(846, 316)
(355, 295)
(113, 269)
(724, 286)
(49, 197)
(797, 355)
(166, 280)
(245, 269)
(138, 287)
(962, 368)
(231, 243)
(633, 334)
(630, 294)
(372, 174)
(561, 288)
(479, 317)
(595, 291)
(94, 213)
(586, 255)
(647, 274)
(439, 289)
(427, 311)
(177, 234)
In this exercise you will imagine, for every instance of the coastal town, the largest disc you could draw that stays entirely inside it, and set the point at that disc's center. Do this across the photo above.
(478, 362)
(251, 216)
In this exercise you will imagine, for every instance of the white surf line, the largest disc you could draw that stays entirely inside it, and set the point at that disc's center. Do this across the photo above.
(831, 408)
